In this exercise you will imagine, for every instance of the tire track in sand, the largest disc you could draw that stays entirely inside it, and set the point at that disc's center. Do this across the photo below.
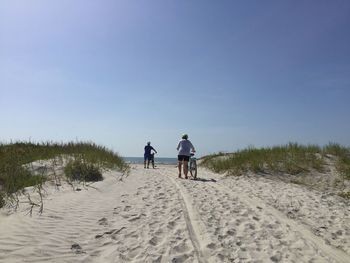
(198, 235)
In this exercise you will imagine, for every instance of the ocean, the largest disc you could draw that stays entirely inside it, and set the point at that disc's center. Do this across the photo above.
(157, 160)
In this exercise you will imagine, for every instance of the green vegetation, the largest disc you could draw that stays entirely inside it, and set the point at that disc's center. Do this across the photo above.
(85, 163)
(290, 159)
(82, 171)
(343, 158)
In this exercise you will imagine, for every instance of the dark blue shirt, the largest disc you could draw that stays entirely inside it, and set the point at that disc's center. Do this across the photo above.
(148, 149)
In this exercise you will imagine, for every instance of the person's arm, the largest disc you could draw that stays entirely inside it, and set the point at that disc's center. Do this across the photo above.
(193, 149)
(154, 150)
(178, 146)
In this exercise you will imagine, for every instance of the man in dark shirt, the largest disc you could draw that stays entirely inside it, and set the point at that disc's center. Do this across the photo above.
(148, 155)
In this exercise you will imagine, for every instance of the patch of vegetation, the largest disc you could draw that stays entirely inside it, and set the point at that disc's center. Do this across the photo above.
(343, 158)
(336, 150)
(15, 157)
(20, 178)
(82, 171)
(343, 166)
(290, 159)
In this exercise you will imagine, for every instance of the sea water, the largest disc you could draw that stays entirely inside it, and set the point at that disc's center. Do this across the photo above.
(157, 160)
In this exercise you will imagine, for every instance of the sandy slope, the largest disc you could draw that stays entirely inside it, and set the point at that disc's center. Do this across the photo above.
(152, 216)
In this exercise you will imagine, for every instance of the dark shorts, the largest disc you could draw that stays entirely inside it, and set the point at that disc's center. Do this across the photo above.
(149, 157)
(183, 158)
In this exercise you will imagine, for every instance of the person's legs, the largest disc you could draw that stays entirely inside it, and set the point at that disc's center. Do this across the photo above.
(186, 159)
(180, 159)
(179, 164)
(185, 168)
(148, 163)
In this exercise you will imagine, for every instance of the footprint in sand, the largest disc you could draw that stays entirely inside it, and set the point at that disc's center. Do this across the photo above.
(127, 208)
(171, 224)
(123, 197)
(211, 246)
(136, 217)
(231, 232)
(154, 241)
(76, 248)
(117, 210)
(103, 221)
(135, 251)
(111, 233)
(181, 247)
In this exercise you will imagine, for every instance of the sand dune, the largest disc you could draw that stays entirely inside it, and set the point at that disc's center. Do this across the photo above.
(152, 216)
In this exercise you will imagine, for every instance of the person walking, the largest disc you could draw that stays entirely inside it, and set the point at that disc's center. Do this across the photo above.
(184, 147)
(148, 155)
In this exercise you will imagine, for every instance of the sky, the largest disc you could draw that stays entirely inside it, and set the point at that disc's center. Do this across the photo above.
(231, 74)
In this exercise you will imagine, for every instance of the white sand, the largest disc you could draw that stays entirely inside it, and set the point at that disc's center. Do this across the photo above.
(152, 216)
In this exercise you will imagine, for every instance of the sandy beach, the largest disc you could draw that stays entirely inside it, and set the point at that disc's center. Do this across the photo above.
(153, 216)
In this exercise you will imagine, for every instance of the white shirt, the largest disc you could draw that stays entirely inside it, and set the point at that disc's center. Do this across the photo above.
(184, 147)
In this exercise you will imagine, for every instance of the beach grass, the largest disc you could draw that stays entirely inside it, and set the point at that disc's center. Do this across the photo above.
(290, 159)
(84, 161)
(343, 160)
(82, 171)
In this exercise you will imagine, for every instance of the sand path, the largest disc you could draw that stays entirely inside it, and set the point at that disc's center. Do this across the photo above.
(152, 216)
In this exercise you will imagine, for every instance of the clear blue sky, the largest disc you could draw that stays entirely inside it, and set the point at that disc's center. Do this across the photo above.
(231, 74)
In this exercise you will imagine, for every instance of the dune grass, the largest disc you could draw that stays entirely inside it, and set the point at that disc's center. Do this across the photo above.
(291, 159)
(343, 158)
(82, 171)
(86, 160)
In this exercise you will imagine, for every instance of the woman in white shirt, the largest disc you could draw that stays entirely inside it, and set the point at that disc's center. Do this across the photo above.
(185, 147)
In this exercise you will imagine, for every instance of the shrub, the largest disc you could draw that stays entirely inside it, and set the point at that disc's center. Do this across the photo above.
(82, 171)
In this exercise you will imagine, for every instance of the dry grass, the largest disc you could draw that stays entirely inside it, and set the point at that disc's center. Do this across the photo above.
(16, 172)
(323, 168)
